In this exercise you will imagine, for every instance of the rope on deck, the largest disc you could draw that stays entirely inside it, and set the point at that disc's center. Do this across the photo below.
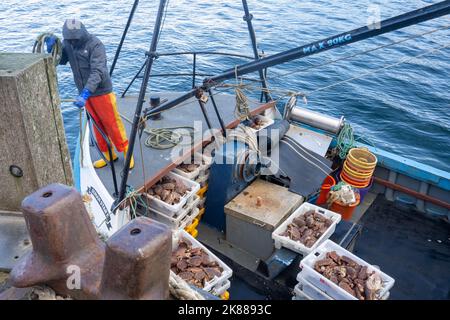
(181, 290)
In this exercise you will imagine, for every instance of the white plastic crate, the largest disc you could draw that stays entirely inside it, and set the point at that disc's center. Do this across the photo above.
(204, 167)
(267, 121)
(316, 279)
(306, 290)
(200, 171)
(300, 295)
(310, 291)
(171, 210)
(202, 180)
(190, 175)
(181, 220)
(282, 241)
(198, 158)
(218, 282)
(201, 202)
(220, 289)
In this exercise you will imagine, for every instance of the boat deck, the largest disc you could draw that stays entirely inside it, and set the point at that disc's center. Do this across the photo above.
(158, 162)
(409, 246)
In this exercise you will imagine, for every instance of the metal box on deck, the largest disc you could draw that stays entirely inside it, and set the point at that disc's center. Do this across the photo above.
(255, 213)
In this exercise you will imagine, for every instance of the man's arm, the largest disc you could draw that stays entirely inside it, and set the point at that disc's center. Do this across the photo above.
(98, 67)
(64, 56)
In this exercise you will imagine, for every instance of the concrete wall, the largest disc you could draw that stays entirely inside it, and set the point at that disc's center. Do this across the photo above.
(31, 128)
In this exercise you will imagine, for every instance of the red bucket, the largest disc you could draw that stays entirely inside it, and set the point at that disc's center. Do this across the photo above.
(324, 189)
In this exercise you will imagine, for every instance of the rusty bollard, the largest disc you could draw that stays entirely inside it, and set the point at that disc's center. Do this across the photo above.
(137, 261)
(64, 242)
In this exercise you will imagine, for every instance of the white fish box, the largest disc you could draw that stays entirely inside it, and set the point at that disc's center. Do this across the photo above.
(283, 241)
(180, 220)
(266, 122)
(306, 289)
(217, 291)
(316, 279)
(204, 167)
(201, 203)
(171, 210)
(204, 163)
(203, 180)
(216, 284)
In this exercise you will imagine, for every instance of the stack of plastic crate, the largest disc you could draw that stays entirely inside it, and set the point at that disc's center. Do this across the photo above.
(217, 286)
(200, 175)
(314, 286)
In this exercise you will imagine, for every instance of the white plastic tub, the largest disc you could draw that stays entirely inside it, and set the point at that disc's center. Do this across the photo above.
(201, 203)
(282, 241)
(202, 180)
(171, 210)
(316, 279)
(267, 122)
(197, 159)
(300, 295)
(189, 175)
(181, 220)
(311, 292)
(204, 167)
(219, 290)
(306, 290)
(217, 283)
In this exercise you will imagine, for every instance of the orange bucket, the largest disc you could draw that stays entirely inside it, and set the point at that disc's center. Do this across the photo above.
(346, 211)
(325, 189)
(354, 182)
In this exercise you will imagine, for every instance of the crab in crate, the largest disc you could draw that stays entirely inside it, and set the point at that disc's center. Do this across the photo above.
(168, 190)
(257, 122)
(194, 265)
(350, 276)
(307, 228)
(188, 167)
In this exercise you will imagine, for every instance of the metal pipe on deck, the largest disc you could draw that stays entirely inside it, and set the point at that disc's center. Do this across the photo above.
(315, 119)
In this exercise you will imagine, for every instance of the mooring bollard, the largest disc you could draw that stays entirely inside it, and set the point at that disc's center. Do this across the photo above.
(67, 254)
(137, 261)
(69, 257)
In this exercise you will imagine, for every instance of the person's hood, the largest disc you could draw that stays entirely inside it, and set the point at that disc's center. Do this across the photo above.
(74, 29)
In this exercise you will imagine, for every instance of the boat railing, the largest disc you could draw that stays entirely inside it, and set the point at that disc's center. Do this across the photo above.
(194, 74)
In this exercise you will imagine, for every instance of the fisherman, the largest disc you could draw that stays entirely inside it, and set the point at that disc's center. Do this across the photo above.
(87, 57)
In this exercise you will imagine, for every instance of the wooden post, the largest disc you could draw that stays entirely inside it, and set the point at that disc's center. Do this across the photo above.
(33, 149)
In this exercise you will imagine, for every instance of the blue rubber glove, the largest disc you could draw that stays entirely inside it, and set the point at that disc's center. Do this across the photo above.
(82, 98)
(50, 42)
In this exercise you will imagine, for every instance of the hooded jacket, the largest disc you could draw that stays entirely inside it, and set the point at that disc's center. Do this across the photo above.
(87, 59)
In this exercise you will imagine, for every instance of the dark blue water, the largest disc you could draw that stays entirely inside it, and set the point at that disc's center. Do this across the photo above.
(405, 110)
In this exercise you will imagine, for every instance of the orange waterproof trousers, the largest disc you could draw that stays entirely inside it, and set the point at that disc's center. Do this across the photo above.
(103, 110)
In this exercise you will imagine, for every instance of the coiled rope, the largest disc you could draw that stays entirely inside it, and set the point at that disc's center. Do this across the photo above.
(181, 290)
(166, 138)
(178, 288)
(39, 46)
(345, 140)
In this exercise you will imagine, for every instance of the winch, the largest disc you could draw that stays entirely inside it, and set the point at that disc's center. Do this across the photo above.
(237, 164)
